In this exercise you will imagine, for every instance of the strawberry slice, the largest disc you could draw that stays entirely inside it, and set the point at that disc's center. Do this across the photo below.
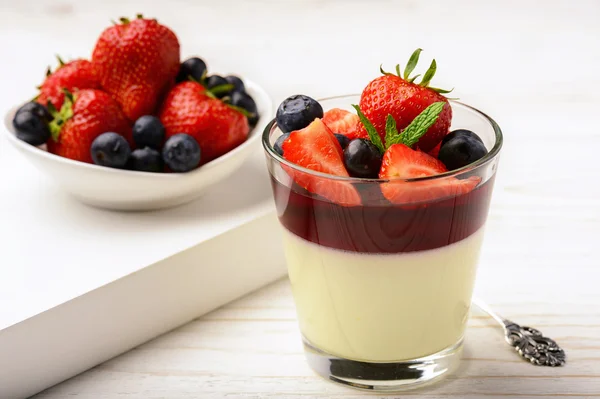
(404, 162)
(344, 122)
(315, 147)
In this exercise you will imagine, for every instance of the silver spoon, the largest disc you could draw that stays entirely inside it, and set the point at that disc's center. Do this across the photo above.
(527, 341)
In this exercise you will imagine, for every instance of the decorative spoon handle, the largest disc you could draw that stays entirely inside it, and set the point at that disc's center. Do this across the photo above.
(527, 341)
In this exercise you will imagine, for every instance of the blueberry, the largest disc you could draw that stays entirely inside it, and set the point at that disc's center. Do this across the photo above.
(461, 150)
(110, 149)
(461, 132)
(278, 146)
(217, 80)
(343, 140)
(37, 109)
(297, 112)
(238, 84)
(31, 123)
(243, 100)
(194, 67)
(148, 131)
(362, 159)
(145, 160)
(181, 153)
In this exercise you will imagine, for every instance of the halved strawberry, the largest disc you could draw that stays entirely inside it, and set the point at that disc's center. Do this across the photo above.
(316, 148)
(344, 122)
(400, 161)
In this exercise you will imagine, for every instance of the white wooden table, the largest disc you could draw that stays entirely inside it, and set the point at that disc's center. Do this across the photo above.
(533, 65)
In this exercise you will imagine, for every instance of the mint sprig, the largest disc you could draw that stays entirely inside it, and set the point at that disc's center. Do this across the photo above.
(371, 131)
(415, 130)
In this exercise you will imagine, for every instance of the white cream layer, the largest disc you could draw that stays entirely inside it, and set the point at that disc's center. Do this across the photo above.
(381, 307)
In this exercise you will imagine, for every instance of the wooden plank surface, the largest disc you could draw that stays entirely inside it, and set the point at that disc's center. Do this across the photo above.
(533, 65)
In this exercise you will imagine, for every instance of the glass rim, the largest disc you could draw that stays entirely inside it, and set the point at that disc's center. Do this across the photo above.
(491, 154)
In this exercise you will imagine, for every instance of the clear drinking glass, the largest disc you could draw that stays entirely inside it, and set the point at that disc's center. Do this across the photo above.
(383, 290)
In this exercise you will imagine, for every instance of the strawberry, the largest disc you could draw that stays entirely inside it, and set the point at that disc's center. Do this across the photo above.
(315, 147)
(404, 99)
(436, 150)
(135, 61)
(83, 117)
(218, 128)
(343, 122)
(400, 161)
(74, 75)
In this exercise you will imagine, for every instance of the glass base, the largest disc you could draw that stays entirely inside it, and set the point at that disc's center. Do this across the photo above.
(384, 377)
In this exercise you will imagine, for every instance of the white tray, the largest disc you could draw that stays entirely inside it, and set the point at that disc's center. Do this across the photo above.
(80, 285)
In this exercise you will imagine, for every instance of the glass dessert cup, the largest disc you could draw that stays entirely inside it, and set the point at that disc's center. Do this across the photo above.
(383, 290)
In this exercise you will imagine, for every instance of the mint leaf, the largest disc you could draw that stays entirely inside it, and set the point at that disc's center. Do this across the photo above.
(391, 132)
(419, 126)
(429, 74)
(371, 131)
(412, 63)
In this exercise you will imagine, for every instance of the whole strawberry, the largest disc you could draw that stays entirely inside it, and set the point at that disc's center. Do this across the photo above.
(404, 99)
(84, 116)
(73, 76)
(218, 128)
(135, 62)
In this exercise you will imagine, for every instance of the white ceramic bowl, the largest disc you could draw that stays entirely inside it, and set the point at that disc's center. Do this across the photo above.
(136, 191)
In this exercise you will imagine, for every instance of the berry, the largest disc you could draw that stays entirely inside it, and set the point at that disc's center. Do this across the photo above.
(244, 101)
(194, 67)
(404, 100)
(343, 140)
(31, 123)
(316, 148)
(83, 118)
(460, 132)
(136, 62)
(362, 159)
(110, 149)
(343, 122)
(73, 76)
(297, 112)
(216, 127)
(145, 160)
(181, 153)
(461, 150)
(238, 84)
(37, 109)
(278, 146)
(148, 131)
(400, 161)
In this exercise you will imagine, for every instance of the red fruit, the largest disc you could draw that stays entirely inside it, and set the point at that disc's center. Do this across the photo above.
(73, 76)
(404, 100)
(400, 161)
(135, 61)
(315, 147)
(217, 127)
(91, 113)
(343, 122)
(436, 150)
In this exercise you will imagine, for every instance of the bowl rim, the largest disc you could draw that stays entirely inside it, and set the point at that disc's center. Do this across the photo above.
(486, 159)
(260, 94)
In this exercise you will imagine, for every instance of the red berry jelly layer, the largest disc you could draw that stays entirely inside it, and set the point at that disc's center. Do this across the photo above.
(382, 228)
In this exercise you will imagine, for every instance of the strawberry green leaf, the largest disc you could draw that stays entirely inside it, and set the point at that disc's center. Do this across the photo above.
(371, 131)
(440, 91)
(60, 61)
(391, 132)
(419, 126)
(412, 63)
(398, 70)
(382, 71)
(412, 80)
(429, 74)
(60, 117)
(240, 110)
(48, 71)
(221, 89)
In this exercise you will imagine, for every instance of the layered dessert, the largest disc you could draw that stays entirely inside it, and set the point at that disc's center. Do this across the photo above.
(383, 207)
